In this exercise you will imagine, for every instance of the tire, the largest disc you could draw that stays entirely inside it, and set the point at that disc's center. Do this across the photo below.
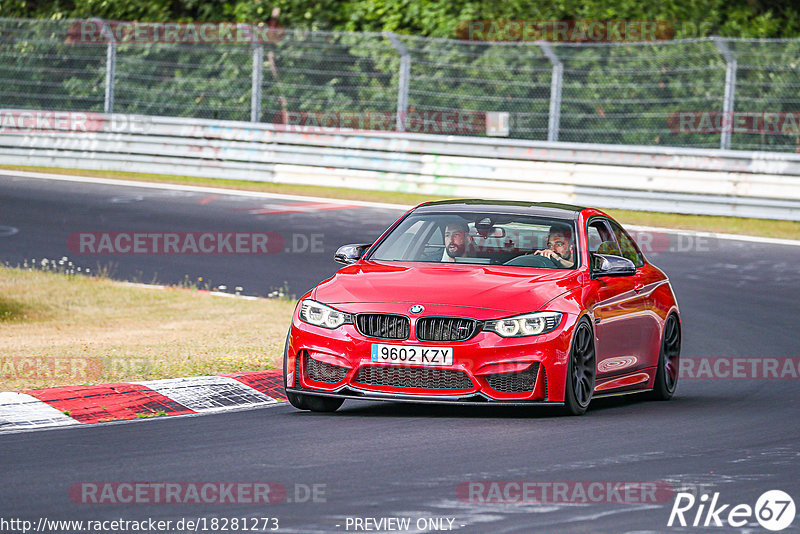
(314, 403)
(668, 361)
(320, 404)
(581, 371)
(297, 400)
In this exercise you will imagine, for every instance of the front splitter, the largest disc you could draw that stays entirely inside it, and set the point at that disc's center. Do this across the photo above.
(473, 399)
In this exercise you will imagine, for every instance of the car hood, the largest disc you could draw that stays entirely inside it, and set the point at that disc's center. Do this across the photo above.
(502, 288)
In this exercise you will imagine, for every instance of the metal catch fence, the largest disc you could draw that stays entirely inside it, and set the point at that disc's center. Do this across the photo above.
(740, 94)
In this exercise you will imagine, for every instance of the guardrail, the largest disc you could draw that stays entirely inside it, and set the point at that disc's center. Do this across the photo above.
(680, 180)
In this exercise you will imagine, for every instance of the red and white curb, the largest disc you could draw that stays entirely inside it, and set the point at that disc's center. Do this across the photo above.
(76, 405)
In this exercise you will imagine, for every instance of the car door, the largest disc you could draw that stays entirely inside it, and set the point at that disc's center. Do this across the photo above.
(645, 281)
(619, 310)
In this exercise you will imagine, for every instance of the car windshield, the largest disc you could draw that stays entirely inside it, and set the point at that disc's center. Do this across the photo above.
(481, 238)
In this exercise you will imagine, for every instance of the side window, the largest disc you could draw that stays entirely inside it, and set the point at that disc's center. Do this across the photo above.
(436, 238)
(399, 245)
(628, 245)
(428, 243)
(601, 240)
(594, 238)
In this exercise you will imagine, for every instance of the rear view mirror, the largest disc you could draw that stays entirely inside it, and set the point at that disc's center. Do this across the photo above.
(495, 232)
(610, 265)
(348, 254)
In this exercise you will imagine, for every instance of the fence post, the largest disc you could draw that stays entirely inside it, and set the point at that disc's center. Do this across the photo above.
(402, 81)
(730, 93)
(554, 122)
(111, 66)
(256, 83)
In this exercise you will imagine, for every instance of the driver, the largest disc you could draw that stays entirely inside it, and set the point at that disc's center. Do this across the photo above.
(455, 240)
(559, 246)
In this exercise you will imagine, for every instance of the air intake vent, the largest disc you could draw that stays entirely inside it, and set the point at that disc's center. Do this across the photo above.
(324, 372)
(445, 328)
(518, 382)
(383, 325)
(414, 377)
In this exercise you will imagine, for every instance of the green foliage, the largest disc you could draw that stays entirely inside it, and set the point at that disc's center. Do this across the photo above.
(435, 18)
(10, 310)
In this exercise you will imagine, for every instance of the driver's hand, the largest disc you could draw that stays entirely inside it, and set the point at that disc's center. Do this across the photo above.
(547, 253)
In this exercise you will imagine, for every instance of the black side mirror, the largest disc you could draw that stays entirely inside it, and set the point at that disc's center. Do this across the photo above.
(348, 254)
(610, 265)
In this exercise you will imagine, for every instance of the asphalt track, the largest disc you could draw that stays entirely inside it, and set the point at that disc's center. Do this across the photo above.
(738, 437)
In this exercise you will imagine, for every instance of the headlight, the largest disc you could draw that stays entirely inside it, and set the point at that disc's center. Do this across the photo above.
(530, 324)
(319, 314)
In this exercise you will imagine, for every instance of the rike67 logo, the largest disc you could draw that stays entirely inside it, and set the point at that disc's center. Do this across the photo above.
(774, 510)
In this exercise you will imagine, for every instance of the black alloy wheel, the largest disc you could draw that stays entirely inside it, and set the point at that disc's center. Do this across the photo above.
(582, 370)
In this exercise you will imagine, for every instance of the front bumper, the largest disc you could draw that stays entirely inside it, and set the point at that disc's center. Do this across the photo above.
(486, 368)
(468, 400)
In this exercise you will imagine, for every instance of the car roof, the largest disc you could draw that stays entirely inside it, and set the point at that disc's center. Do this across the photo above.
(545, 209)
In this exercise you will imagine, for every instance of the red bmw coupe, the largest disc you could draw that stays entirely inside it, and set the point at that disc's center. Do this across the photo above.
(479, 301)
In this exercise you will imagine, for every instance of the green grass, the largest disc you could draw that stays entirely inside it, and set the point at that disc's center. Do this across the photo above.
(11, 310)
(707, 223)
(63, 329)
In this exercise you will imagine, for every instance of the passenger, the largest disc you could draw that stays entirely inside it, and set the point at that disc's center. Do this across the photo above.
(559, 247)
(455, 240)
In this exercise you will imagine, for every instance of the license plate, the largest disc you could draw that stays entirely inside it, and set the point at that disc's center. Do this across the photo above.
(415, 355)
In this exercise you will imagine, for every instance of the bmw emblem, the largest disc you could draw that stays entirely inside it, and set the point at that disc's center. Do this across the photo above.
(417, 308)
